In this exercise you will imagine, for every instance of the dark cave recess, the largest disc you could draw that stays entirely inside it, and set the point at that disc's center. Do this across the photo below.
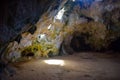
(78, 44)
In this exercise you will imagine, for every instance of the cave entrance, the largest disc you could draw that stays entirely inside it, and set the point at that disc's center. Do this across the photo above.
(78, 42)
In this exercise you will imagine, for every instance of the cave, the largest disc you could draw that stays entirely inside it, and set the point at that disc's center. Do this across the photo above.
(114, 45)
(60, 40)
(79, 44)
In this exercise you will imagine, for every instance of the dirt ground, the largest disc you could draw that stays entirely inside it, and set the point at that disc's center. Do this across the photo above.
(79, 66)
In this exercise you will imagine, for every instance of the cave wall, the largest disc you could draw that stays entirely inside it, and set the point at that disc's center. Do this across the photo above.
(18, 16)
(53, 34)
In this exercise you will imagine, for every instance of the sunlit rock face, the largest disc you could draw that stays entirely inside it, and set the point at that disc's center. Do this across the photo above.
(68, 25)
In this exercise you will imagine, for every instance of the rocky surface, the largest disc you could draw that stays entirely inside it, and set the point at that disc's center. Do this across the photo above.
(94, 21)
(18, 16)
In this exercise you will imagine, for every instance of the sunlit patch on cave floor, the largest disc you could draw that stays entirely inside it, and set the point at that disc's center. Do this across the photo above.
(55, 62)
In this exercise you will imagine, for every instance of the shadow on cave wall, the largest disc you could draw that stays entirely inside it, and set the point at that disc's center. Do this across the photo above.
(115, 45)
(78, 43)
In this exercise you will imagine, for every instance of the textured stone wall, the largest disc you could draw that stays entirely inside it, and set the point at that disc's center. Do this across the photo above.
(96, 20)
(18, 16)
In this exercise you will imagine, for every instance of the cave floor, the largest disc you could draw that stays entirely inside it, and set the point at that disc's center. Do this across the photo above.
(82, 66)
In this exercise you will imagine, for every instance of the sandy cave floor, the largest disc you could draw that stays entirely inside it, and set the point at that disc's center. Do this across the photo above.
(82, 66)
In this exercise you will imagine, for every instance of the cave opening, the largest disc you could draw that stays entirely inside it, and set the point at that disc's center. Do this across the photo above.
(78, 42)
(115, 45)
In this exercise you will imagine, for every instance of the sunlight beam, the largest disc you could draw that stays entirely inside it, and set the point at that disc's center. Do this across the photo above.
(60, 14)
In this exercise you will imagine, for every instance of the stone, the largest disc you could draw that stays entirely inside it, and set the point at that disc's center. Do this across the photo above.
(26, 40)
(13, 56)
(13, 51)
(41, 37)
